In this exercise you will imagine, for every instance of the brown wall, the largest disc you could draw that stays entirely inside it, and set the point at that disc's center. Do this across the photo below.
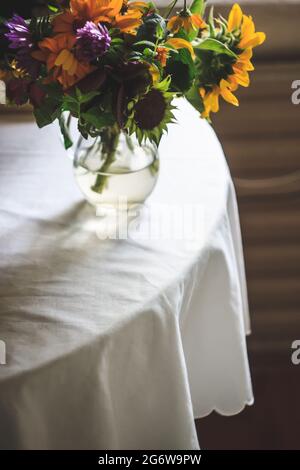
(261, 140)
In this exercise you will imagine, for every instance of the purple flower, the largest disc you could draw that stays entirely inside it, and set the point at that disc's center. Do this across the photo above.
(18, 34)
(92, 41)
(20, 38)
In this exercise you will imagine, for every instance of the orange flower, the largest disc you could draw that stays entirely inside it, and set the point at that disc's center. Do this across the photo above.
(180, 43)
(186, 20)
(121, 14)
(129, 17)
(82, 11)
(141, 7)
(95, 10)
(63, 64)
(66, 24)
(128, 22)
(162, 54)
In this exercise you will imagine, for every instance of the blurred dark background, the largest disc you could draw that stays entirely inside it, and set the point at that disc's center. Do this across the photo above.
(8, 8)
(261, 140)
(26, 7)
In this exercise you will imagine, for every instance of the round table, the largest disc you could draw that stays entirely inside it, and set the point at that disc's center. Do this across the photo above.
(118, 343)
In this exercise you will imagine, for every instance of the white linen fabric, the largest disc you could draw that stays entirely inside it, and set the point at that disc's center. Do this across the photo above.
(118, 343)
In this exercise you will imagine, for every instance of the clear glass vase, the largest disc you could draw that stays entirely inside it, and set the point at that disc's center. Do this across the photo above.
(113, 169)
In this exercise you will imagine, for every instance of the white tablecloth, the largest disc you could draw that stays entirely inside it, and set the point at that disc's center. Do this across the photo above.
(118, 344)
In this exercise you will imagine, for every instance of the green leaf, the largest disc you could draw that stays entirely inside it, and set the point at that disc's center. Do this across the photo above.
(148, 52)
(71, 104)
(144, 43)
(44, 117)
(85, 98)
(51, 106)
(197, 7)
(98, 118)
(135, 56)
(192, 34)
(160, 31)
(193, 96)
(213, 45)
(117, 41)
(53, 91)
(181, 68)
(47, 113)
(211, 23)
(52, 8)
(41, 117)
(164, 85)
(65, 132)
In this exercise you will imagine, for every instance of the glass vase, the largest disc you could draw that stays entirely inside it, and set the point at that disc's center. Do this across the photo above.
(113, 169)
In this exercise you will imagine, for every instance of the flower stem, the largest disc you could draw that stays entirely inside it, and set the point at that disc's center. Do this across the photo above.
(172, 6)
(110, 139)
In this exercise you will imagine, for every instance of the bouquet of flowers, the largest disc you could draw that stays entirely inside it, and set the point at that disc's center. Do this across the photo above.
(118, 64)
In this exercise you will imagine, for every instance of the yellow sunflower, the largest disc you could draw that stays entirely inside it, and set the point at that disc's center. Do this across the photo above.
(211, 98)
(244, 24)
(243, 28)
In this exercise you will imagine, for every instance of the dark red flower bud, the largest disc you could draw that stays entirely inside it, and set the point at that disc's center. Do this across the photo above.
(36, 95)
(17, 91)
